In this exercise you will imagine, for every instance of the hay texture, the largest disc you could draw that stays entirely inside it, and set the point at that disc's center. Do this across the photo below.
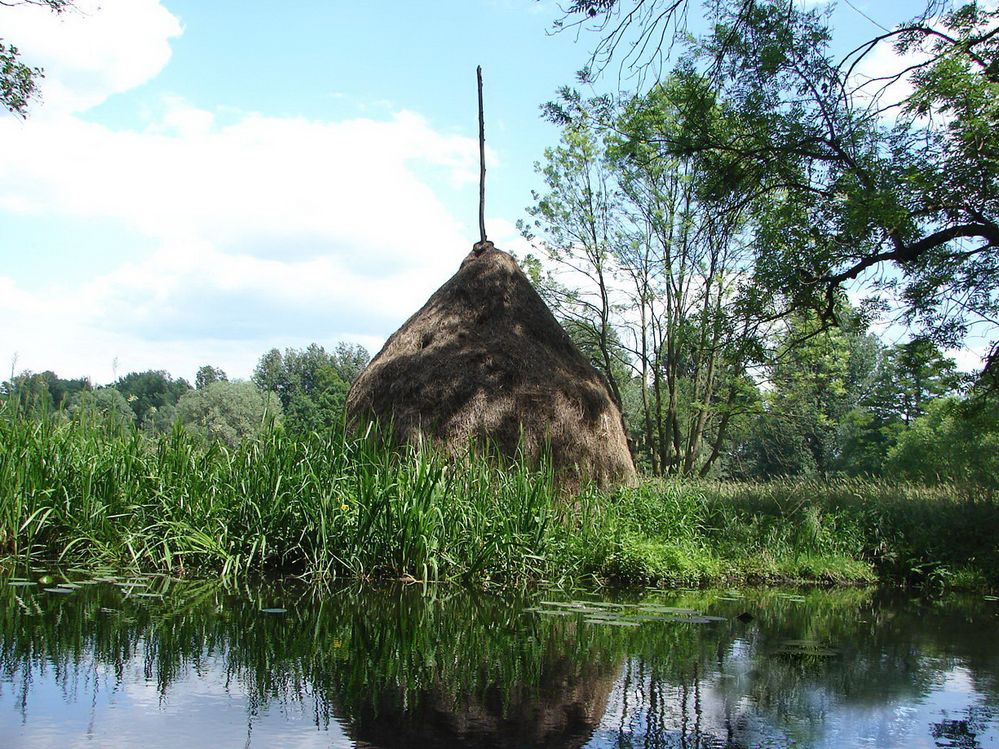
(485, 362)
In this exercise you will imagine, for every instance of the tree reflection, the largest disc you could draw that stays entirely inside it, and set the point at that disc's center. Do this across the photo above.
(408, 667)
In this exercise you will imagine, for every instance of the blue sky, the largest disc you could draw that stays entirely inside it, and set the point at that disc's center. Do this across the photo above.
(203, 181)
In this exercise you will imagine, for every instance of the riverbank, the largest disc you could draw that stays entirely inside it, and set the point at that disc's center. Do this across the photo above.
(326, 506)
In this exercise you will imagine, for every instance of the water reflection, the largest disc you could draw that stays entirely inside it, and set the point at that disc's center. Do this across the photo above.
(160, 662)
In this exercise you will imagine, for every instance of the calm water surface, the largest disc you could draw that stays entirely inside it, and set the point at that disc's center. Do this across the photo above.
(154, 662)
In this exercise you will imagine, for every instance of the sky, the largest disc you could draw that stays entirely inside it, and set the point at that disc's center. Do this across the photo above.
(203, 181)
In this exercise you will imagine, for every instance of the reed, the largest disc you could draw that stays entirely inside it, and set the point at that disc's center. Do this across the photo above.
(329, 505)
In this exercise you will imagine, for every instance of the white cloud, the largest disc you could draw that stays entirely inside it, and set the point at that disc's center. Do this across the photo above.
(93, 50)
(278, 252)
(269, 231)
(261, 185)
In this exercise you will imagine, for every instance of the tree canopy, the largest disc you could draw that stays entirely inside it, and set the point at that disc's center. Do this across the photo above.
(848, 182)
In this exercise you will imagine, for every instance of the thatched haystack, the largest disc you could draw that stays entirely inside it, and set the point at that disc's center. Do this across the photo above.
(485, 361)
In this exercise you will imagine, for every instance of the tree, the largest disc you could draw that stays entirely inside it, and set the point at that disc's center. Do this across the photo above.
(579, 222)
(229, 412)
(908, 378)
(311, 384)
(642, 255)
(913, 374)
(951, 441)
(18, 82)
(208, 374)
(349, 360)
(817, 379)
(106, 405)
(44, 391)
(150, 389)
(849, 185)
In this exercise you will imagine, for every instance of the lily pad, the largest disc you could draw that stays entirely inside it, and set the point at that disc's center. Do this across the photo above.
(21, 583)
(600, 604)
(274, 611)
(64, 591)
(612, 622)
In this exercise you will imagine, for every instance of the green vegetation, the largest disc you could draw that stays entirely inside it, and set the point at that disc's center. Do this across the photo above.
(722, 240)
(91, 491)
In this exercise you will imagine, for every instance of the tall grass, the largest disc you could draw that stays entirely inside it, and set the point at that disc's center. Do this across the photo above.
(321, 505)
(328, 506)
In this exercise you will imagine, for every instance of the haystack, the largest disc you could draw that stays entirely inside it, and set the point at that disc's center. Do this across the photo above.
(484, 361)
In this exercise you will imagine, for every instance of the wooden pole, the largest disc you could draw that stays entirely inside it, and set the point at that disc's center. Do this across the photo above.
(482, 162)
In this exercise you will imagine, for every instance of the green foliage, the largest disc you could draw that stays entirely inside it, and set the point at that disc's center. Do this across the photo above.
(847, 186)
(640, 259)
(18, 82)
(150, 389)
(208, 374)
(817, 379)
(228, 412)
(92, 490)
(311, 383)
(951, 441)
(104, 404)
(43, 391)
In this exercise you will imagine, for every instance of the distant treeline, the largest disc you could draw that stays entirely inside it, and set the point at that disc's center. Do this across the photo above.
(831, 402)
(303, 390)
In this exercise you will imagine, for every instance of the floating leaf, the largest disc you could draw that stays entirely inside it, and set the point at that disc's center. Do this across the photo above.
(600, 604)
(274, 611)
(21, 583)
(612, 622)
(58, 590)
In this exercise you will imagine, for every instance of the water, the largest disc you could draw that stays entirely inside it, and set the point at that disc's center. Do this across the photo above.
(153, 662)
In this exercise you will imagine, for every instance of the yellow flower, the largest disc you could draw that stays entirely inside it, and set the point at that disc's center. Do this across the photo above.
(344, 507)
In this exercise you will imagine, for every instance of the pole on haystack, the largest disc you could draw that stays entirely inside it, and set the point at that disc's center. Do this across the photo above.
(483, 244)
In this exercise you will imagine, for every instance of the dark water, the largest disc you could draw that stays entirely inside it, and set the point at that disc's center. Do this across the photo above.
(193, 664)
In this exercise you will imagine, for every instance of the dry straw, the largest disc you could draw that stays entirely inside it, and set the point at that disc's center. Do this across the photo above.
(485, 362)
